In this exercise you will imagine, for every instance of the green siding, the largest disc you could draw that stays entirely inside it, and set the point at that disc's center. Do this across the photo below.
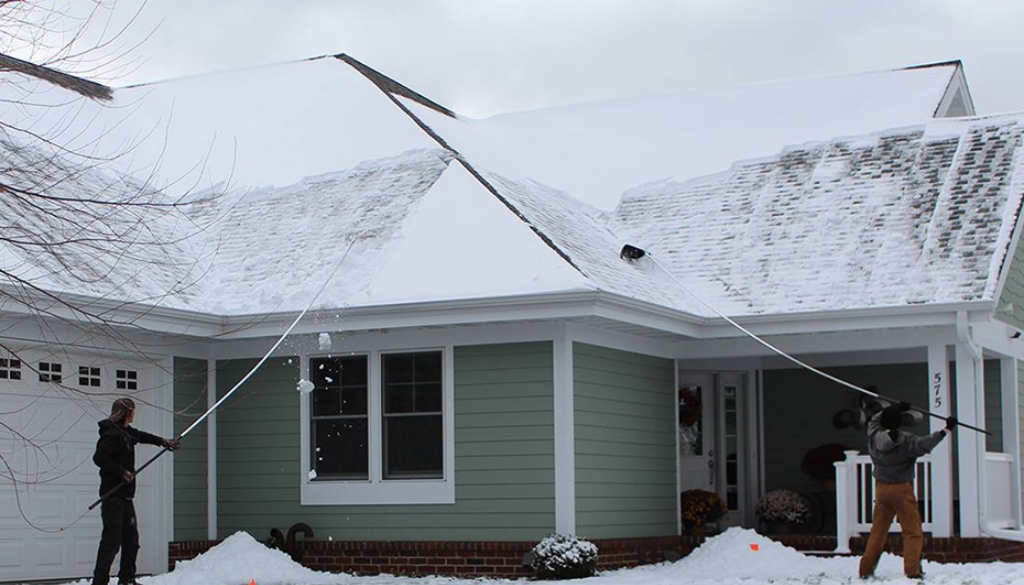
(1010, 308)
(504, 455)
(190, 463)
(625, 443)
(1020, 415)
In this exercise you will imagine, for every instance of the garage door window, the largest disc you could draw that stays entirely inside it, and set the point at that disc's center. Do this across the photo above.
(126, 380)
(10, 369)
(88, 376)
(50, 372)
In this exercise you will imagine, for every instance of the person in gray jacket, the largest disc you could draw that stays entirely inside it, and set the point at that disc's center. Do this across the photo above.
(894, 456)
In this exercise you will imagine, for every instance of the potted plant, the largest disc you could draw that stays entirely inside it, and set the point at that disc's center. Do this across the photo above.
(698, 508)
(819, 463)
(780, 510)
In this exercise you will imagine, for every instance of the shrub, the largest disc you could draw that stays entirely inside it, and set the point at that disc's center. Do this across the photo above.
(700, 507)
(561, 556)
(783, 506)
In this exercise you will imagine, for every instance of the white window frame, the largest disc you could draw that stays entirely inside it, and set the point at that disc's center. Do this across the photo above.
(376, 490)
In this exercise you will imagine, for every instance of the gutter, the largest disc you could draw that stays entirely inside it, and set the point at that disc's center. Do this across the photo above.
(535, 306)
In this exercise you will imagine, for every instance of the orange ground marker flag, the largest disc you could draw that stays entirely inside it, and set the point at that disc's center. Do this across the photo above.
(753, 546)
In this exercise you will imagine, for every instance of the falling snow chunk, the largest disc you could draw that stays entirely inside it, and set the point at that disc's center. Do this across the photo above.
(305, 386)
(311, 474)
(325, 341)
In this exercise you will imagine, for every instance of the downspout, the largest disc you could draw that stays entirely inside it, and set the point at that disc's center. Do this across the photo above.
(963, 334)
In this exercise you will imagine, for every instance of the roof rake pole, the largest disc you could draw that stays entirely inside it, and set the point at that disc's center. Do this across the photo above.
(244, 379)
(632, 253)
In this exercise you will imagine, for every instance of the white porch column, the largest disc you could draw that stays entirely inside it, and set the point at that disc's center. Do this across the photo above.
(942, 456)
(1011, 427)
(211, 450)
(565, 438)
(969, 409)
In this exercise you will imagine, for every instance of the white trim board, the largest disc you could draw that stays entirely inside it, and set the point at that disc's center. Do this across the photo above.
(565, 436)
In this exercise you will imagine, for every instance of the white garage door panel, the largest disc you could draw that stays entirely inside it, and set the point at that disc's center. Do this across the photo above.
(49, 551)
(57, 480)
(10, 553)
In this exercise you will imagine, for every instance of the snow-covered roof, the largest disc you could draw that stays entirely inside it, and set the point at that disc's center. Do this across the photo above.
(244, 129)
(420, 228)
(912, 216)
(324, 170)
(599, 150)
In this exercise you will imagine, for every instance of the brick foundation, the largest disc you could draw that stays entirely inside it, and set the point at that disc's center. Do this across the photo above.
(505, 559)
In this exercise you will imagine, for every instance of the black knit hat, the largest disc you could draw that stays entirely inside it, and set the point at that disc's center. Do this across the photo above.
(892, 417)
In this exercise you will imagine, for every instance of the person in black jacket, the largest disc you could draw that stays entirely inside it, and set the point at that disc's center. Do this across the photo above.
(115, 456)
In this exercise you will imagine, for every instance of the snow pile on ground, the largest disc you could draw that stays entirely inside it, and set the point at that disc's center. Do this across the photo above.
(745, 553)
(238, 560)
(743, 556)
(736, 557)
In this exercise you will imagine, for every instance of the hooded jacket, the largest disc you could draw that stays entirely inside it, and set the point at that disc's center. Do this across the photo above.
(115, 454)
(894, 459)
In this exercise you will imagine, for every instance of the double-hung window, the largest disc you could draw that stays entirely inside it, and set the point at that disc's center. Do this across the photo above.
(377, 429)
(413, 420)
(339, 420)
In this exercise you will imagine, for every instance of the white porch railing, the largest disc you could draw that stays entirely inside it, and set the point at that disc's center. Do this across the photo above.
(998, 482)
(855, 497)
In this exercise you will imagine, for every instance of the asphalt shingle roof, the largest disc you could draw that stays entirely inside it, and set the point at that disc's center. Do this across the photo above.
(913, 216)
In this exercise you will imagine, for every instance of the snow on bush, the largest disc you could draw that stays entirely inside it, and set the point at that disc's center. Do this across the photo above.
(561, 556)
(784, 506)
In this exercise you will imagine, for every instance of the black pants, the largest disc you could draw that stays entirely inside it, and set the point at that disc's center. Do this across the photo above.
(120, 532)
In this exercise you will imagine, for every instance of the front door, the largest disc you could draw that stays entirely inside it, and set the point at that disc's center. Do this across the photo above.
(712, 437)
(696, 402)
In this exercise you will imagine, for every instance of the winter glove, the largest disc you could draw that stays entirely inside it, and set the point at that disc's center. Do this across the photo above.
(905, 407)
(171, 444)
(951, 423)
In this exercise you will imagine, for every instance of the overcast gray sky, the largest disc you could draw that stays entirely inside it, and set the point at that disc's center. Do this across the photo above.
(482, 57)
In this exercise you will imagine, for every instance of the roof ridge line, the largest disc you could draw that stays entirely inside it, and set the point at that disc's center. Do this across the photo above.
(465, 163)
(391, 85)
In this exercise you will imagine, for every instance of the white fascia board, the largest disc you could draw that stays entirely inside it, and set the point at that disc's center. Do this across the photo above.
(470, 312)
(849, 320)
(535, 307)
(818, 343)
(137, 316)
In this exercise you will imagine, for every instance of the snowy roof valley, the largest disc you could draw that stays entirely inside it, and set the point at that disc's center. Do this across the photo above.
(811, 195)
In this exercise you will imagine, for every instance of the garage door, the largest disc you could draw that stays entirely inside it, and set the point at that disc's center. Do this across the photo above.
(52, 402)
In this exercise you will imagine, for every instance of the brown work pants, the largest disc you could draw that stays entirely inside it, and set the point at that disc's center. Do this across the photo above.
(894, 499)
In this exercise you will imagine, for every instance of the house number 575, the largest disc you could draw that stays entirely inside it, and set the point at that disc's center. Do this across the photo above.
(937, 389)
